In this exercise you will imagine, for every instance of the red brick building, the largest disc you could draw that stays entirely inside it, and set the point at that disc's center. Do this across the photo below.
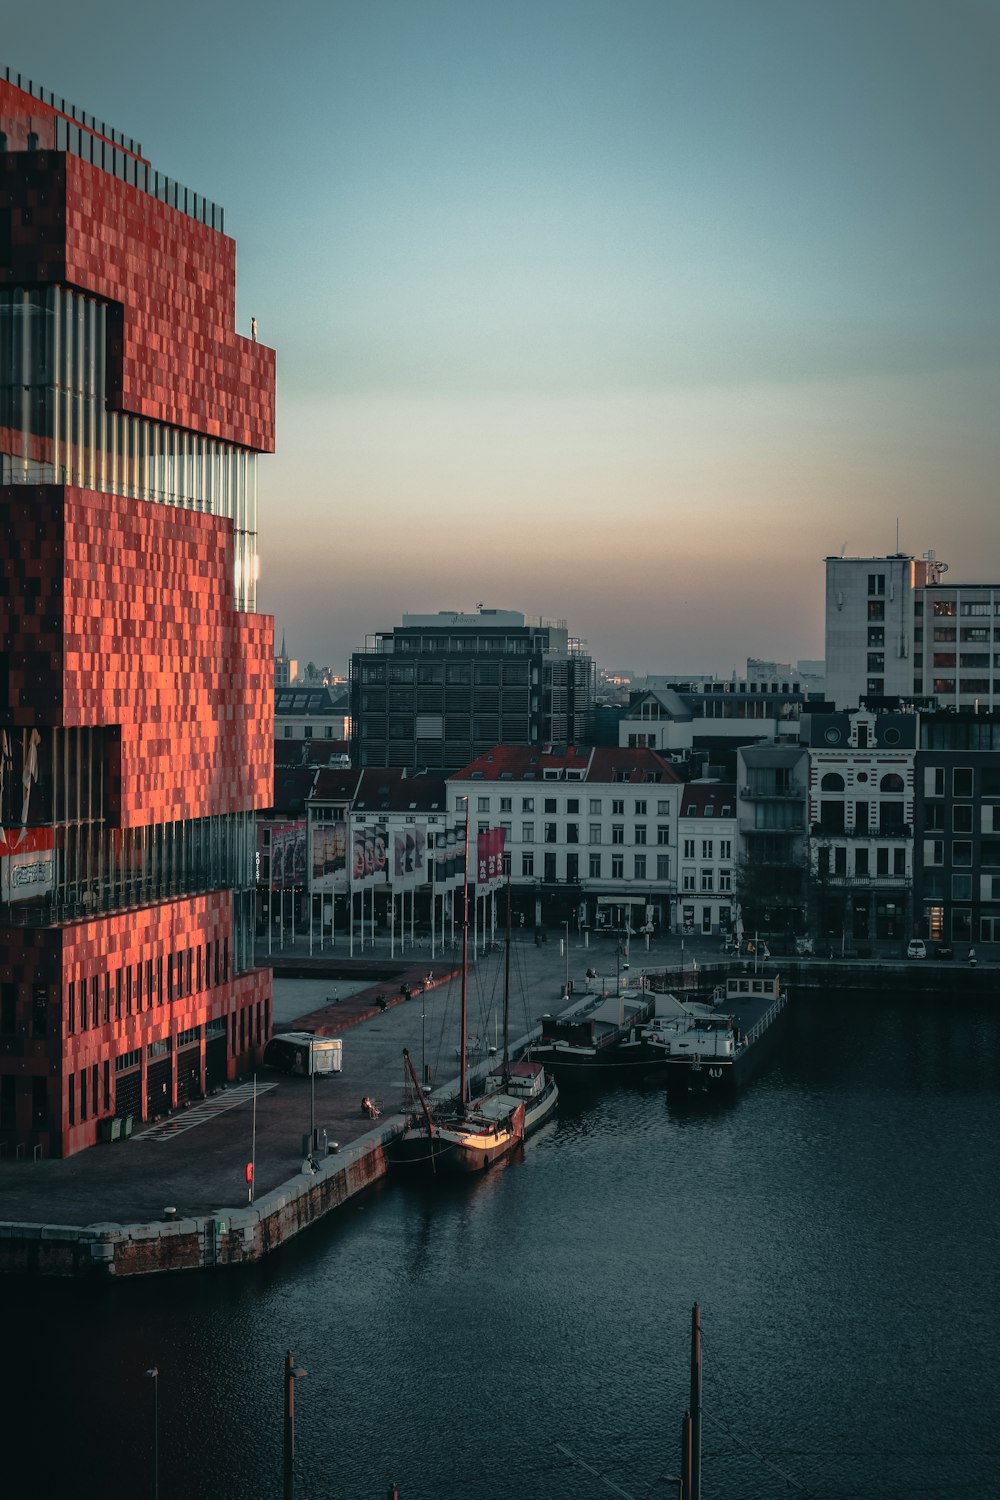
(136, 721)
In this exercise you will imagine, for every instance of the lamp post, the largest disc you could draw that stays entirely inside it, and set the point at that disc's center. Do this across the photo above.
(566, 941)
(291, 1375)
(152, 1375)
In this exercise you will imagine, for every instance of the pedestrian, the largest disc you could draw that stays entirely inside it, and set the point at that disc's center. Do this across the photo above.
(972, 957)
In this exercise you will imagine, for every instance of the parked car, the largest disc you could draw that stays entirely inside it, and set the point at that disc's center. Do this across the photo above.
(943, 950)
(916, 948)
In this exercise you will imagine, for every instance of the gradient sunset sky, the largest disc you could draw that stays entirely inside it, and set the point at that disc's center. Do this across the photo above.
(627, 313)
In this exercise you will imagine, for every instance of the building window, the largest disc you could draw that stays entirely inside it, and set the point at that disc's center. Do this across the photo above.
(482, 804)
(618, 808)
(961, 852)
(640, 834)
(573, 868)
(550, 804)
(639, 863)
(961, 817)
(725, 880)
(706, 849)
(662, 833)
(618, 833)
(876, 610)
(687, 880)
(725, 849)
(505, 804)
(595, 833)
(663, 808)
(573, 805)
(550, 868)
(689, 848)
(707, 883)
(663, 867)
(528, 863)
(595, 806)
(527, 833)
(595, 867)
(962, 781)
(876, 584)
(640, 809)
(617, 867)
(527, 804)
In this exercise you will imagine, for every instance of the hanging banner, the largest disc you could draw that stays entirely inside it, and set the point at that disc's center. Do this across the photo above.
(329, 857)
(489, 860)
(288, 856)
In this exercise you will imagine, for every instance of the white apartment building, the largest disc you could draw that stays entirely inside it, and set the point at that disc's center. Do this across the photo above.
(894, 628)
(861, 817)
(706, 850)
(588, 829)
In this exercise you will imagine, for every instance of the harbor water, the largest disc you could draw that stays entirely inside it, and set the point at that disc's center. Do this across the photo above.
(526, 1333)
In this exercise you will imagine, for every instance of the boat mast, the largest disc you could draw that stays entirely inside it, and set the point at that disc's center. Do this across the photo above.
(695, 1487)
(465, 965)
(506, 995)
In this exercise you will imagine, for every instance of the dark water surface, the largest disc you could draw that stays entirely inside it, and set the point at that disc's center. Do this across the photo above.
(839, 1224)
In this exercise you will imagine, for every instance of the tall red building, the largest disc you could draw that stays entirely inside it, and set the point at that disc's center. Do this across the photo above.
(136, 721)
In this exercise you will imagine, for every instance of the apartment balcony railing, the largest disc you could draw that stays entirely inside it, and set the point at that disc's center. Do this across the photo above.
(772, 794)
(819, 831)
(868, 882)
(747, 827)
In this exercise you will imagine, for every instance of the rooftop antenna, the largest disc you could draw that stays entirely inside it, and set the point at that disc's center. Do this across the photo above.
(897, 533)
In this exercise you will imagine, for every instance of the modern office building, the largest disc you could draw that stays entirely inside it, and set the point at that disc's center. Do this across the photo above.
(135, 675)
(441, 689)
(896, 629)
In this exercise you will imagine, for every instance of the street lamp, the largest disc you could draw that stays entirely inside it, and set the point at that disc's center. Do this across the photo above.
(291, 1375)
(152, 1375)
(566, 941)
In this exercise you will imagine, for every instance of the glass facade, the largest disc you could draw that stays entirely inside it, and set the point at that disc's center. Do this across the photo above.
(56, 426)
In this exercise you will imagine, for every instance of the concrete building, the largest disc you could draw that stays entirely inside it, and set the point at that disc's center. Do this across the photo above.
(707, 848)
(311, 713)
(896, 629)
(441, 689)
(591, 832)
(135, 673)
(861, 812)
(957, 851)
(772, 805)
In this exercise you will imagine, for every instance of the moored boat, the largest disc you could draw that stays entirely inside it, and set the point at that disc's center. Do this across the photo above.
(470, 1134)
(717, 1047)
(597, 1039)
(526, 1082)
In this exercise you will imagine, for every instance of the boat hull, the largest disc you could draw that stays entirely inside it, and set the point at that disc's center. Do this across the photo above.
(582, 1069)
(724, 1076)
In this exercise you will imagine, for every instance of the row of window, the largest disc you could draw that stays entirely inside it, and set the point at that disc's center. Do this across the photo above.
(962, 781)
(707, 884)
(833, 781)
(597, 868)
(141, 986)
(836, 861)
(935, 851)
(572, 806)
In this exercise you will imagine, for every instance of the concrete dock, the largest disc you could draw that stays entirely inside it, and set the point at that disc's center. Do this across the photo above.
(174, 1196)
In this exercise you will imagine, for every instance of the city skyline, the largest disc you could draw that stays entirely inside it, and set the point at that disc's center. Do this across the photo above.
(626, 315)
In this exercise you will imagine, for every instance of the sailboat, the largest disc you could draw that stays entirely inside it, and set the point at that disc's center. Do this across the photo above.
(475, 1132)
(525, 1080)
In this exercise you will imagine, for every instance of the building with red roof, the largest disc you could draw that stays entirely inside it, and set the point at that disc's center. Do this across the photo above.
(591, 831)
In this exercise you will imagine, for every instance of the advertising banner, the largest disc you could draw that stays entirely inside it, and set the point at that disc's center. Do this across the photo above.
(30, 870)
(489, 860)
(329, 857)
(369, 859)
(288, 856)
(409, 856)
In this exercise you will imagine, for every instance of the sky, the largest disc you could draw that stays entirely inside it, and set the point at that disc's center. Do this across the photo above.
(627, 312)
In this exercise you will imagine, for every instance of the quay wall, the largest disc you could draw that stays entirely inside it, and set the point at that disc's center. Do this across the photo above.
(213, 1241)
(917, 976)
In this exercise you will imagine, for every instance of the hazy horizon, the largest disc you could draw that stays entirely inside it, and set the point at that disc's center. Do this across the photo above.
(624, 313)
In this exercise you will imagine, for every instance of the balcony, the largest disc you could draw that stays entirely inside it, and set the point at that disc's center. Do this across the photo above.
(867, 882)
(818, 831)
(772, 794)
(747, 828)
